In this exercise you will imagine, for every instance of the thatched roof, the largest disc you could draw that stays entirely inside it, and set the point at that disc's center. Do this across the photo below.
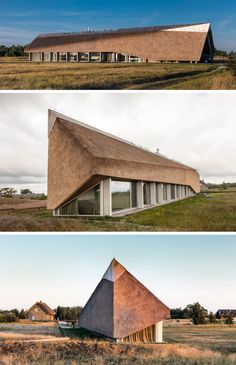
(173, 42)
(78, 153)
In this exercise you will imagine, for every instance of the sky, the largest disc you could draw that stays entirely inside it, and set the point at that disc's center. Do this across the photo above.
(197, 129)
(65, 269)
(23, 20)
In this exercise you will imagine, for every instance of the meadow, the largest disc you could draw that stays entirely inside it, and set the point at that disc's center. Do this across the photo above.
(203, 212)
(19, 74)
(191, 345)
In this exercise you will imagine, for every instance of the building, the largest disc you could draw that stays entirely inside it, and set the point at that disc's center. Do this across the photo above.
(204, 187)
(91, 172)
(123, 309)
(41, 312)
(175, 43)
(224, 313)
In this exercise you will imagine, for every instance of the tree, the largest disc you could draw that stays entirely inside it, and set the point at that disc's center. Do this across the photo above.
(22, 314)
(26, 191)
(7, 192)
(229, 319)
(212, 318)
(197, 313)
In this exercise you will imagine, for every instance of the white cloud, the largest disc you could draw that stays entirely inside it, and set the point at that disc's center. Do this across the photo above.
(197, 129)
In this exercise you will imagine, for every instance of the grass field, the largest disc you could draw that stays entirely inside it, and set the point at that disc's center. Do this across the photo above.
(29, 331)
(17, 73)
(204, 212)
(186, 346)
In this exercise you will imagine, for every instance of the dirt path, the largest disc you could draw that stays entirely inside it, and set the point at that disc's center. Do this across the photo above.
(161, 84)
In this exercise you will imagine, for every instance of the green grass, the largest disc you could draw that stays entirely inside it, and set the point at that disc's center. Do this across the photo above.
(79, 333)
(24, 75)
(204, 212)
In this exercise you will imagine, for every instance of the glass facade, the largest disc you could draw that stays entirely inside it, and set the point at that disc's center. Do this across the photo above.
(123, 195)
(146, 194)
(87, 203)
(164, 191)
(172, 191)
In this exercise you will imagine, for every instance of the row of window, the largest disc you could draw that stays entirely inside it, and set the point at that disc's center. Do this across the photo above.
(123, 197)
(82, 57)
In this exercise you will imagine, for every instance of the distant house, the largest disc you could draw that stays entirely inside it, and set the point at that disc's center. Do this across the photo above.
(223, 313)
(204, 187)
(41, 312)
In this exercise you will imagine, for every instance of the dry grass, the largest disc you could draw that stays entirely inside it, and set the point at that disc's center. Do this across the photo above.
(21, 204)
(92, 352)
(29, 331)
(221, 81)
(189, 345)
(24, 75)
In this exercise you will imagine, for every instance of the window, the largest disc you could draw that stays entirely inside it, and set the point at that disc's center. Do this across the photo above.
(83, 57)
(146, 194)
(87, 203)
(73, 57)
(164, 192)
(123, 195)
(172, 191)
(63, 57)
(95, 57)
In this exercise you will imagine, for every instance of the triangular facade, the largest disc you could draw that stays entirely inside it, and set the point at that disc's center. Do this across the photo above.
(121, 307)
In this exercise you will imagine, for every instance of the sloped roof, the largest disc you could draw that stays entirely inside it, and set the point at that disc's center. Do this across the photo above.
(44, 307)
(47, 39)
(184, 42)
(104, 145)
(121, 305)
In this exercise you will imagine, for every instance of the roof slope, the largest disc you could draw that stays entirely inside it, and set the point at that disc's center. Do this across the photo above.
(89, 152)
(132, 306)
(172, 42)
(44, 307)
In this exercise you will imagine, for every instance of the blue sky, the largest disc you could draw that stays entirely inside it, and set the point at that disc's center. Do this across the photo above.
(22, 20)
(65, 269)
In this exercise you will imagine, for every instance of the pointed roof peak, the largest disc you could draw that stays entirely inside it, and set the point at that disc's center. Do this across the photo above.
(114, 271)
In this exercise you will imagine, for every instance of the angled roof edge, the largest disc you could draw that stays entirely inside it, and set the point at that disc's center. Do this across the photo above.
(111, 276)
(174, 27)
(53, 115)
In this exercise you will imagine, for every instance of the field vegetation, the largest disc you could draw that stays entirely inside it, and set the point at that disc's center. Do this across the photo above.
(194, 345)
(204, 212)
(18, 73)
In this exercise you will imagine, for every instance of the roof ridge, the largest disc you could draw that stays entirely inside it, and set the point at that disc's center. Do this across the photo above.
(152, 27)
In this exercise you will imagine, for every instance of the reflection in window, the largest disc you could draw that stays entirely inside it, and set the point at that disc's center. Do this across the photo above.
(123, 195)
(87, 203)
(172, 191)
(146, 194)
(164, 192)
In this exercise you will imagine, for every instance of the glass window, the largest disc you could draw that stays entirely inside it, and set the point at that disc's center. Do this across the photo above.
(95, 57)
(87, 203)
(146, 194)
(165, 192)
(120, 195)
(63, 57)
(172, 191)
(83, 57)
(73, 57)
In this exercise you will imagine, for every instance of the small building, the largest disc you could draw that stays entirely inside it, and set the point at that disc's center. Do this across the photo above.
(41, 312)
(224, 313)
(171, 43)
(93, 173)
(204, 187)
(123, 309)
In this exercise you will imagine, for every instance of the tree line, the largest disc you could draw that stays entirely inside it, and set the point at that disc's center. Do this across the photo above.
(12, 51)
(13, 315)
(199, 315)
